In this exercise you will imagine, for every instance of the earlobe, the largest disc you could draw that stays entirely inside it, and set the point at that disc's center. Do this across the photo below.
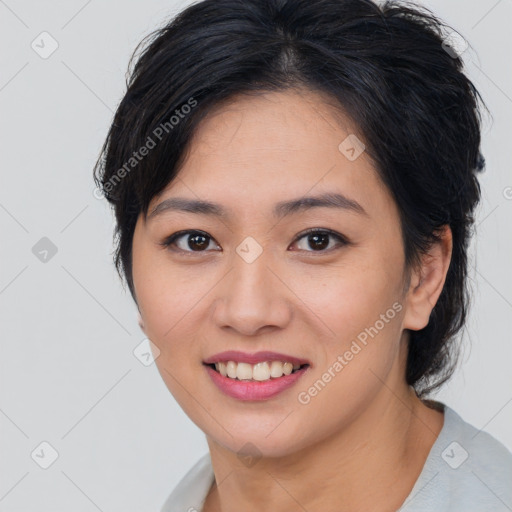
(427, 282)
(140, 322)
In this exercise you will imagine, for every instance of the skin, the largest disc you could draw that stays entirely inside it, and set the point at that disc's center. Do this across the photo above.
(362, 441)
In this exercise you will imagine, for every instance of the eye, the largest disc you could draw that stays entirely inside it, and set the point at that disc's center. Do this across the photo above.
(318, 239)
(188, 241)
(194, 241)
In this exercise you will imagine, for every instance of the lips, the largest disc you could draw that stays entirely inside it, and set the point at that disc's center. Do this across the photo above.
(231, 372)
(257, 357)
(253, 390)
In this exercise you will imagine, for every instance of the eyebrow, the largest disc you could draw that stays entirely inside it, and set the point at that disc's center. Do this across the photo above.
(281, 209)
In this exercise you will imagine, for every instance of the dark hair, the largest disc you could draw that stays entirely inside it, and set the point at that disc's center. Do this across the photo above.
(388, 67)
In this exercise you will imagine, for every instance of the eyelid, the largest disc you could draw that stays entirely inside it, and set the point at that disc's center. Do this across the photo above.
(342, 240)
(169, 241)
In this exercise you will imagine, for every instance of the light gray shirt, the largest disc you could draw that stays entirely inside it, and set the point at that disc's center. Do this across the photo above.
(467, 470)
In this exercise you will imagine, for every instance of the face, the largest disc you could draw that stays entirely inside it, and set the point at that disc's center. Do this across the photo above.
(254, 279)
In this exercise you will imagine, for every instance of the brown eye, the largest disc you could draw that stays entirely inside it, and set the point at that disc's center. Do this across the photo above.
(317, 240)
(194, 241)
(189, 241)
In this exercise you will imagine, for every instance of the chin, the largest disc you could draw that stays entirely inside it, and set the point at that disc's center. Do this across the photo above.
(259, 440)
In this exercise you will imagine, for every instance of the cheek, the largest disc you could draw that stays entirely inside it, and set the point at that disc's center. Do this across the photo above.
(174, 302)
(356, 361)
(166, 292)
(348, 297)
(360, 307)
(170, 307)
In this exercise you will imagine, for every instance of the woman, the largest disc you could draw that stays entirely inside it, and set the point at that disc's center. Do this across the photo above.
(294, 184)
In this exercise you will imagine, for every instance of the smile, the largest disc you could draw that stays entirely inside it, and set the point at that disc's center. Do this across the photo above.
(259, 376)
(256, 372)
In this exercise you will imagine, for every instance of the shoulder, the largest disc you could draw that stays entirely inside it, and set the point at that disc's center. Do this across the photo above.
(191, 491)
(467, 469)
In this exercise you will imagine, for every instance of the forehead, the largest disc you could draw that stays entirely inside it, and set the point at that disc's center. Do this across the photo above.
(264, 148)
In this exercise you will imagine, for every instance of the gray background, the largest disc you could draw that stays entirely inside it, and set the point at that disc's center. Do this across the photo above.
(68, 330)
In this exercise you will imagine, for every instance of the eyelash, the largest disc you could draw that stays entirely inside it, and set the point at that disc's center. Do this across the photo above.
(170, 240)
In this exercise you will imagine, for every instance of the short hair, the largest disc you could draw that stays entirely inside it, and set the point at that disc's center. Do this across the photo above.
(388, 67)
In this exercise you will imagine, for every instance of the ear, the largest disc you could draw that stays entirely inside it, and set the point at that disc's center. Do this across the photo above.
(427, 282)
(140, 322)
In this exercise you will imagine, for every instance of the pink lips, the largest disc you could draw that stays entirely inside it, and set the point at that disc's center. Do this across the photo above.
(244, 357)
(254, 390)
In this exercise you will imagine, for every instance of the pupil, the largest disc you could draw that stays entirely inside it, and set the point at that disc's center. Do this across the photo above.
(319, 245)
(193, 239)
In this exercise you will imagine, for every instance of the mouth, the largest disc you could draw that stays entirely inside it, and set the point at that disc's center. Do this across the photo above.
(261, 366)
(254, 377)
(259, 372)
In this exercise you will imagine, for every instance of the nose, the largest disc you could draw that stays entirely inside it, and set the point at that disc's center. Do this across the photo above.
(252, 298)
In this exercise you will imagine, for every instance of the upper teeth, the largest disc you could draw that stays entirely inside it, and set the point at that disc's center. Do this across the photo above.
(258, 371)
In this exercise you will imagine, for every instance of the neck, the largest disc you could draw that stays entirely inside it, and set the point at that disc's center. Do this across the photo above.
(370, 464)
